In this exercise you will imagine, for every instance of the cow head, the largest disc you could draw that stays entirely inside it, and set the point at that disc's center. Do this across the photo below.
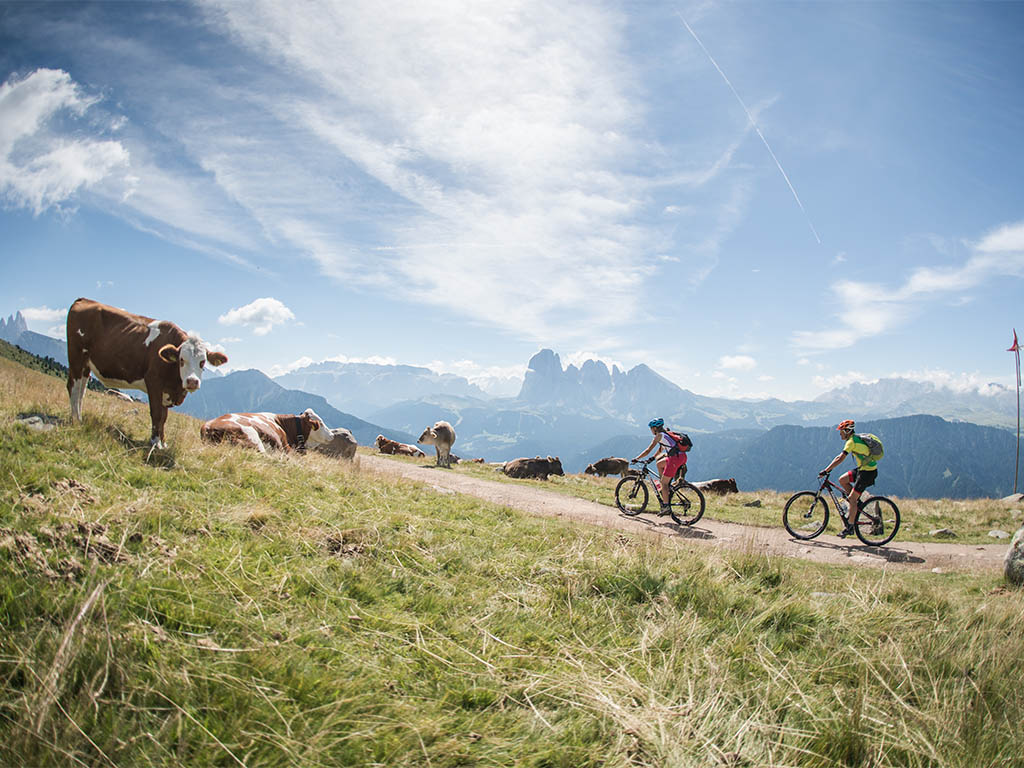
(428, 437)
(191, 355)
(555, 465)
(590, 470)
(319, 434)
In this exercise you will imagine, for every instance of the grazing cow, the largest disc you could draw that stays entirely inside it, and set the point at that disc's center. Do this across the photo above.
(442, 437)
(134, 352)
(608, 466)
(718, 486)
(534, 468)
(395, 448)
(282, 432)
(342, 445)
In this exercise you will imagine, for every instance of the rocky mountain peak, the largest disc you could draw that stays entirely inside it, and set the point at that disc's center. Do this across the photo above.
(13, 327)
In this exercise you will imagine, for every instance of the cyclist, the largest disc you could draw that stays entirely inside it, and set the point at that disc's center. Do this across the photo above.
(668, 458)
(860, 477)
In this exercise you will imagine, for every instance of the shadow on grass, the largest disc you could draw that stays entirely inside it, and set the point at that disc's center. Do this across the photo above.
(162, 458)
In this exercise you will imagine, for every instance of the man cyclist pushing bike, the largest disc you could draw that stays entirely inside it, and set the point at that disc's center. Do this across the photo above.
(860, 477)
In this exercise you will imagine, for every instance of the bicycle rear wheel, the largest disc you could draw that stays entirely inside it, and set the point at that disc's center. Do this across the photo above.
(877, 521)
(686, 503)
(805, 515)
(631, 495)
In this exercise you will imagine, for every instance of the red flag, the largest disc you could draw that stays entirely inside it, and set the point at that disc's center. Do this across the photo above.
(1016, 346)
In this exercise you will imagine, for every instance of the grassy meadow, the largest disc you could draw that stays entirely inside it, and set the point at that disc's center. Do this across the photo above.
(211, 606)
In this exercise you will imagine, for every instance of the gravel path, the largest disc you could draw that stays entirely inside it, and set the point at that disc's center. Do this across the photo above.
(707, 533)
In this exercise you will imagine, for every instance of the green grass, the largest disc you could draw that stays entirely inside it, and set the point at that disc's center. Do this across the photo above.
(215, 607)
(970, 519)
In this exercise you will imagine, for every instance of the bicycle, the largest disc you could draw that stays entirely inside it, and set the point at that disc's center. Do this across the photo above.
(806, 515)
(685, 501)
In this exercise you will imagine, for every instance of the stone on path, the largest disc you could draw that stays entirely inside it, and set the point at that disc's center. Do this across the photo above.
(1013, 564)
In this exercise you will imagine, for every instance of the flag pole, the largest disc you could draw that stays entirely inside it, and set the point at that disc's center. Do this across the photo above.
(1016, 464)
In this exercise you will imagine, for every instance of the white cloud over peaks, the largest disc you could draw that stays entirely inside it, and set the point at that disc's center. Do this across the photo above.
(50, 322)
(40, 169)
(261, 315)
(998, 254)
(497, 138)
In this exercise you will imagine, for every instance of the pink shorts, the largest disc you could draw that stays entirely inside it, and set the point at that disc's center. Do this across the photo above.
(674, 463)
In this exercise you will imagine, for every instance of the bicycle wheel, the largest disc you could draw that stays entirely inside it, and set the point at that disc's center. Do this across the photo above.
(877, 521)
(686, 504)
(631, 495)
(805, 515)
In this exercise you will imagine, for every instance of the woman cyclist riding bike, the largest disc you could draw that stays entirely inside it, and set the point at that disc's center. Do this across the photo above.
(670, 456)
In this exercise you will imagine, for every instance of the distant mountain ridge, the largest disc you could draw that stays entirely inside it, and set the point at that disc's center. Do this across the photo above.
(15, 331)
(366, 387)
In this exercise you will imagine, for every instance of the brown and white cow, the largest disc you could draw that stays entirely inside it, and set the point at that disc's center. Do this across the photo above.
(131, 351)
(442, 437)
(283, 432)
(395, 448)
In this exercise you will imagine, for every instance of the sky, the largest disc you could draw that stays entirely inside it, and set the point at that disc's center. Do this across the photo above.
(753, 199)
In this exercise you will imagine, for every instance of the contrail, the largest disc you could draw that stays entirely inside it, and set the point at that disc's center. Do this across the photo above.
(753, 123)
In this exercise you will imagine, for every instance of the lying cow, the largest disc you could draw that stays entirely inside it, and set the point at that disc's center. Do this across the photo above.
(442, 437)
(342, 444)
(395, 448)
(282, 432)
(534, 468)
(134, 352)
(608, 466)
(718, 486)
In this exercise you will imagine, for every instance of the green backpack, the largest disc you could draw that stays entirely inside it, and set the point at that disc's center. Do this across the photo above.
(873, 444)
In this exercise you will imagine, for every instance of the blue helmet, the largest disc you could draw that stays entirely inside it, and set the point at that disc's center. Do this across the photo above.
(656, 423)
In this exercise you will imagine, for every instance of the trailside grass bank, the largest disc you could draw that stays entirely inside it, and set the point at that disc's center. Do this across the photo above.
(215, 607)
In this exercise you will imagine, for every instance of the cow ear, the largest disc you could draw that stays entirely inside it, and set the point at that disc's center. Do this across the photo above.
(168, 353)
(216, 358)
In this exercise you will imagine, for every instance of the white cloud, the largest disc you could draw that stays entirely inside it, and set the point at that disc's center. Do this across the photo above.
(505, 147)
(737, 362)
(261, 315)
(841, 380)
(958, 382)
(869, 309)
(39, 169)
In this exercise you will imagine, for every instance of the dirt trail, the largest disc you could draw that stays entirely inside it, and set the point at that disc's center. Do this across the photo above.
(707, 533)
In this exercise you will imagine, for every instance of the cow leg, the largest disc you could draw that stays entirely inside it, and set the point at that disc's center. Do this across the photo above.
(76, 393)
(158, 415)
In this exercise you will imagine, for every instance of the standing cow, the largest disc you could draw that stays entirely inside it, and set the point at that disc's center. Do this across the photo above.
(442, 437)
(131, 351)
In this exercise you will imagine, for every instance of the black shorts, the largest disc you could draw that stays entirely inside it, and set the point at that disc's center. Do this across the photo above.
(862, 479)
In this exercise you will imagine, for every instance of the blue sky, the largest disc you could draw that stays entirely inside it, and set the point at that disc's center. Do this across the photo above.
(755, 199)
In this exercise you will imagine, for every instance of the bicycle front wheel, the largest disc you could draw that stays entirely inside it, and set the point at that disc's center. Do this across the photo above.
(631, 495)
(877, 521)
(805, 515)
(686, 504)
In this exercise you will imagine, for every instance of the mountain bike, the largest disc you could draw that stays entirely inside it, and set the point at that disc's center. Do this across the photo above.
(685, 501)
(806, 514)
